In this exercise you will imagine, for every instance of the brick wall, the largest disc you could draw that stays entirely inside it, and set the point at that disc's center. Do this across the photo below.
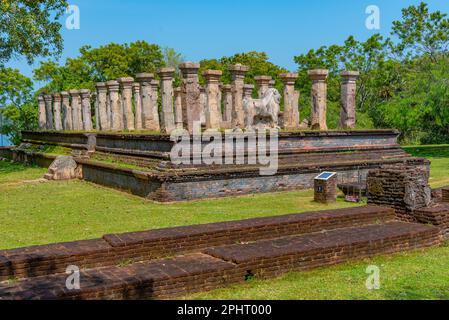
(404, 188)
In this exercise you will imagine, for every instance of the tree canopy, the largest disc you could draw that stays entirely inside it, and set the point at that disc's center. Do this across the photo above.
(30, 28)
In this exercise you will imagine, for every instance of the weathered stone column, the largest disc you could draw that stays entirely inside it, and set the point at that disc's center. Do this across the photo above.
(238, 72)
(77, 117)
(191, 104)
(227, 94)
(149, 109)
(87, 109)
(102, 101)
(49, 112)
(57, 111)
(291, 97)
(155, 99)
(213, 102)
(67, 122)
(42, 112)
(167, 114)
(263, 84)
(97, 117)
(248, 91)
(137, 106)
(178, 108)
(319, 98)
(126, 85)
(348, 99)
(203, 102)
(116, 106)
(272, 84)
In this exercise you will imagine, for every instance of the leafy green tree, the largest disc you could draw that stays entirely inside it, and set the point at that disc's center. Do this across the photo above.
(16, 103)
(421, 32)
(30, 28)
(258, 63)
(100, 64)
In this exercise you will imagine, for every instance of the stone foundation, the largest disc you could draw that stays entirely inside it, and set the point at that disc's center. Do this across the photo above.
(302, 156)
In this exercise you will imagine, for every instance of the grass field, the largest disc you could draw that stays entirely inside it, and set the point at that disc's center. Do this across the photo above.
(36, 212)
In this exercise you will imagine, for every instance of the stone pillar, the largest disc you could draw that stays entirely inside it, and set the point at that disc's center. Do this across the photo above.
(97, 117)
(57, 111)
(49, 112)
(155, 99)
(238, 72)
(203, 102)
(272, 84)
(137, 106)
(167, 114)
(67, 117)
(263, 84)
(227, 94)
(77, 118)
(319, 98)
(348, 99)
(116, 106)
(42, 113)
(291, 100)
(126, 85)
(102, 101)
(150, 116)
(191, 104)
(248, 91)
(178, 108)
(87, 109)
(213, 102)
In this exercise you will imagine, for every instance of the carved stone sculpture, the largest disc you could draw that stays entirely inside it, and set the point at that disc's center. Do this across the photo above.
(263, 113)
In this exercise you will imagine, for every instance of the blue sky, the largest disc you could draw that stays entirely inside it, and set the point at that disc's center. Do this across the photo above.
(214, 28)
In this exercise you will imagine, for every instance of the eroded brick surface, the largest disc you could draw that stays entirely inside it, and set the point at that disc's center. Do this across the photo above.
(204, 257)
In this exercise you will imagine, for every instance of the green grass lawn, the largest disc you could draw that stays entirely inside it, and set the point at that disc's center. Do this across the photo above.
(35, 212)
(45, 212)
(439, 155)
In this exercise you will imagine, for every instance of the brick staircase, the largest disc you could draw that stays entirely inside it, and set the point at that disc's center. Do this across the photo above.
(171, 262)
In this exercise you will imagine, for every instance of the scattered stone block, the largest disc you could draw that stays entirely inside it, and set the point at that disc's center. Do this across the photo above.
(63, 168)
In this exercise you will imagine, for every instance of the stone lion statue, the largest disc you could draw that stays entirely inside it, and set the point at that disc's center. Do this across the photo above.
(263, 113)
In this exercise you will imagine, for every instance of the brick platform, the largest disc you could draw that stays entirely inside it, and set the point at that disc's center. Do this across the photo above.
(137, 265)
(437, 215)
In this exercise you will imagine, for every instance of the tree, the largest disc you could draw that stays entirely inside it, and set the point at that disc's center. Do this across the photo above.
(30, 28)
(421, 32)
(258, 63)
(19, 108)
(100, 64)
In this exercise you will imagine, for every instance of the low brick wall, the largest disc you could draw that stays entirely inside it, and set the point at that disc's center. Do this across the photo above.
(115, 248)
(324, 249)
(437, 215)
(402, 187)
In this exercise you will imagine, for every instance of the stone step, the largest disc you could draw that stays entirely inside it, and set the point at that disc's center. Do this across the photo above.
(221, 266)
(271, 258)
(155, 244)
(146, 280)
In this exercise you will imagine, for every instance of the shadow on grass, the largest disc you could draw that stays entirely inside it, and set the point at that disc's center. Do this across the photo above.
(8, 167)
(436, 151)
(411, 293)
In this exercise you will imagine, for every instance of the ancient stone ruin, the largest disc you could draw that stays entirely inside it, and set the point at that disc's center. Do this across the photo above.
(132, 104)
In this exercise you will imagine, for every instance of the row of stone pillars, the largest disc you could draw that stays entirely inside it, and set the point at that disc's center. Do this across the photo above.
(132, 104)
